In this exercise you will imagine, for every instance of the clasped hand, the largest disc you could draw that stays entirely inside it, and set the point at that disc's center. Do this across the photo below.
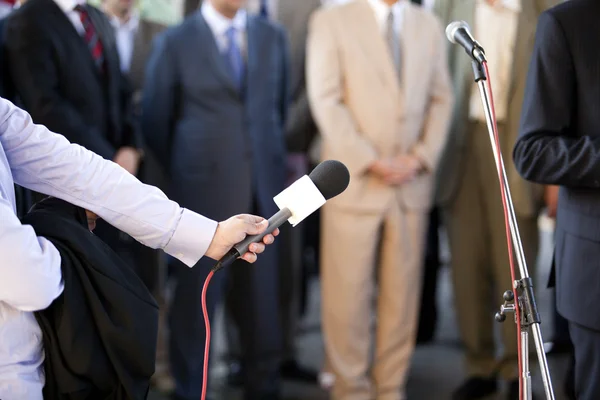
(397, 170)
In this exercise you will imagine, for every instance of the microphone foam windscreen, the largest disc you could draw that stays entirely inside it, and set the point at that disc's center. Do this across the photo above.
(331, 177)
(453, 27)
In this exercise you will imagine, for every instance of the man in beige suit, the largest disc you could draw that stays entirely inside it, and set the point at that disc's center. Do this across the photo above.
(469, 191)
(380, 92)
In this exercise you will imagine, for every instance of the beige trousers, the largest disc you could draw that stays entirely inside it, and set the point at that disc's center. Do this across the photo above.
(362, 252)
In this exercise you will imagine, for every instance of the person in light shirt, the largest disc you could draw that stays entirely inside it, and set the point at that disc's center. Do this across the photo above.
(469, 192)
(30, 266)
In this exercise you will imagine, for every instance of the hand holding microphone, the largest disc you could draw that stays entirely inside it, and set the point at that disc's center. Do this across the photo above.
(234, 230)
(298, 201)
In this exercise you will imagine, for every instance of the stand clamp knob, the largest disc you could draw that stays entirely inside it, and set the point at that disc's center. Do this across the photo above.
(506, 307)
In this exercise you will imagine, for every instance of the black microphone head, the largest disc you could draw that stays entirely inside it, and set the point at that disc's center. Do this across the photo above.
(331, 177)
(453, 27)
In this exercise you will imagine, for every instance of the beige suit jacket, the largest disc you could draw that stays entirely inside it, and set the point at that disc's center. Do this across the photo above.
(365, 113)
(527, 197)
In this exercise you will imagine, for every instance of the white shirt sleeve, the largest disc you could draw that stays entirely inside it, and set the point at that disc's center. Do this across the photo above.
(30, 274)
(47, 163)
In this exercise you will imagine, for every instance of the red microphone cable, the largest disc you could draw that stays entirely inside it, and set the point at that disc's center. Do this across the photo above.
(207, 341)
(506, 222)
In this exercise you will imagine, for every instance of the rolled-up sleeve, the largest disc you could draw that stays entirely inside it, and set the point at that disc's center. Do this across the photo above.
(46, 162)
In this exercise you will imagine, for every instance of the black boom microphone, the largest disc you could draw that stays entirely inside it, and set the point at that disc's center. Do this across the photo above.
(298, 201)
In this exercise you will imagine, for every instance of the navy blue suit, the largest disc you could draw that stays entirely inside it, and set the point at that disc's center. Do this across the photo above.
(223, 149)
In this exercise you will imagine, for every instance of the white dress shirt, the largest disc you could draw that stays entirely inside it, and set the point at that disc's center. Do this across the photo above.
(68, 7)
(496, 29)
(382, 11)
(125, 36)
(30, 266)
(219, 24)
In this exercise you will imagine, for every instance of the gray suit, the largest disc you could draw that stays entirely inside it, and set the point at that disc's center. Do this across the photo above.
(223, 149)
(469, 194)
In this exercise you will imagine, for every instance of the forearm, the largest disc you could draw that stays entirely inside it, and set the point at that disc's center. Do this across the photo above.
(48, 163)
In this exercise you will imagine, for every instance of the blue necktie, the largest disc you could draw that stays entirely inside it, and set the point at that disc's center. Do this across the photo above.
(234, 55)
(264, 11)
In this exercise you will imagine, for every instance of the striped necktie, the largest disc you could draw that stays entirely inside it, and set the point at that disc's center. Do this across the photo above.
(91, 38)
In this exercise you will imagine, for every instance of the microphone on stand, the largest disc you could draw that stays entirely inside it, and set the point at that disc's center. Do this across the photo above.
(298, 201)
(458, 32)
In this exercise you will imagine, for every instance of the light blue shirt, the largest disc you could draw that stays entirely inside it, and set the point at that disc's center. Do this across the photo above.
(30, 274)
(219, 24)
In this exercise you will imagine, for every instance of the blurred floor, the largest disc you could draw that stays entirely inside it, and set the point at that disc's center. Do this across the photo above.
(437, 368)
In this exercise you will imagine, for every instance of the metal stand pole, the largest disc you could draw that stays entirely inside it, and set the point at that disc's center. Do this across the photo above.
(530, 319)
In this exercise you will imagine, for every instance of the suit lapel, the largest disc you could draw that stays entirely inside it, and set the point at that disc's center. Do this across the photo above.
(215, 58)
(256, 36)
(410, 50)
(368, 36)
(58, 21)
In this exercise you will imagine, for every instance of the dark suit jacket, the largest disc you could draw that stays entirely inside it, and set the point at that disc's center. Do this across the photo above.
(100, 334)
(221, 148)
(559, 144)
(60, 86)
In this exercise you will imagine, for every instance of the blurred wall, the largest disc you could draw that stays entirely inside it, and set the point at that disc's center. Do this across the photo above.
(167, 12)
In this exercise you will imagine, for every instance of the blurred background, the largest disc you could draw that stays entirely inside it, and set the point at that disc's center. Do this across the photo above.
(390, 291)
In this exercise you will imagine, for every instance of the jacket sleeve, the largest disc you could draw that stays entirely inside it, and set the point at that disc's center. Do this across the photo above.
(324, 85)
(548, 150)
(439, 111)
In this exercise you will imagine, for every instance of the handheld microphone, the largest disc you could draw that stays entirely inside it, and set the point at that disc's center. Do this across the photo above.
(458, 32)
(298, 201)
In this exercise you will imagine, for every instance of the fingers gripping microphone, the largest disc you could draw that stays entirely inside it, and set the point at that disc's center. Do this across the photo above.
(458, 33)
(298, 201)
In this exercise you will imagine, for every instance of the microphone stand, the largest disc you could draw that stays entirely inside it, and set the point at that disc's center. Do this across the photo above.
(529, 316)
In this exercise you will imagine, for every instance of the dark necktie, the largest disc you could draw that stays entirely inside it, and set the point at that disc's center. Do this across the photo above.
(91, 38)
(264, 10)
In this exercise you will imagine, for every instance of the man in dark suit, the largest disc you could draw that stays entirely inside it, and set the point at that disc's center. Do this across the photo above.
(214, 109)
(559, 144)
(65, 67)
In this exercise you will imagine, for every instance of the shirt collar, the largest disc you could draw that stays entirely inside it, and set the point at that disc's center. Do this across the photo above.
(130, 25)
(510, 5)
(382, 9)
(219, 22)
(68, 5)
